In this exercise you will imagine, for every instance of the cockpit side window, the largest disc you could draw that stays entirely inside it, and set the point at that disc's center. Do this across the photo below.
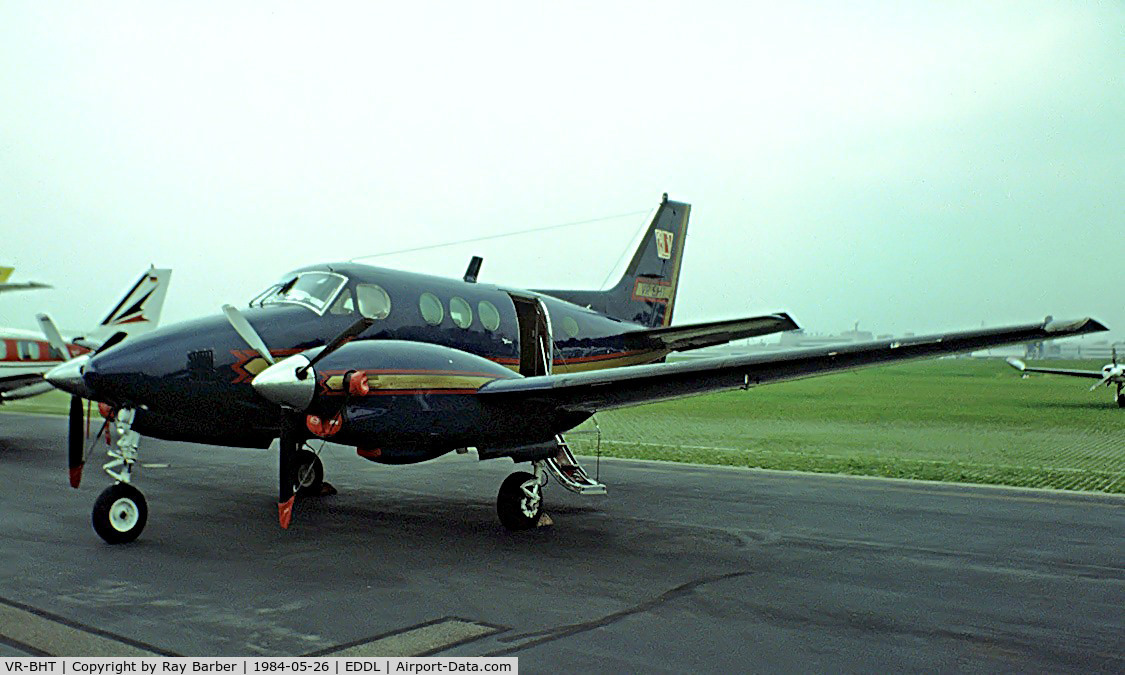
(314, 290)
(373, 301)
(344, 304)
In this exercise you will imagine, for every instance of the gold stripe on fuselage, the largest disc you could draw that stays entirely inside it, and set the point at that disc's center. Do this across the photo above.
(414, 381)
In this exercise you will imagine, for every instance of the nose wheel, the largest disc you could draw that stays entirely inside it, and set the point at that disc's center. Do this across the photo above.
(120, 513)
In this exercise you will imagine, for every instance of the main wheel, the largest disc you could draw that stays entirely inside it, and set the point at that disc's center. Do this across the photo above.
(308, 471)
(520, 501)
(120, 513)
(1120, 398)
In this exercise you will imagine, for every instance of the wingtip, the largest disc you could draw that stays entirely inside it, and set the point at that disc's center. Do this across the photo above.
(1076, 326)
(789, 321)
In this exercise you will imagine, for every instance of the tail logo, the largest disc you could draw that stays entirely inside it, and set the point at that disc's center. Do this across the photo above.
(134, 314)
(664, 244)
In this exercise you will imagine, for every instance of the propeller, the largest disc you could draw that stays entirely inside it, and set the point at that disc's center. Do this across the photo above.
(1104, 380)
(340, 340)
(74, 438)
(247, 332)
(291, 421)
(1112, 371)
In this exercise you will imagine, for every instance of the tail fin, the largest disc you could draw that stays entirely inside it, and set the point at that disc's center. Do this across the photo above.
(646, 293)
(137, 312)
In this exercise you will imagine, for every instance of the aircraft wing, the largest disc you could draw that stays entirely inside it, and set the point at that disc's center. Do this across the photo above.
(25, 286)
(694, 336)
(1023, 368)
(632, 385)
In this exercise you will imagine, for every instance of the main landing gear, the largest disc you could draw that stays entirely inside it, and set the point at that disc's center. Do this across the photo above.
(519, 503)
(308, 472)
(1120, 396)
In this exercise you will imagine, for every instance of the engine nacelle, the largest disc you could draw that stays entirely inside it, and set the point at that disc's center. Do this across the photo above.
(412, 401)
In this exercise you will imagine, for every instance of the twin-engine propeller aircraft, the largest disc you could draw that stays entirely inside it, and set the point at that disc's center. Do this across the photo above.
(407, 367)
(1111, 373)
(25, 356)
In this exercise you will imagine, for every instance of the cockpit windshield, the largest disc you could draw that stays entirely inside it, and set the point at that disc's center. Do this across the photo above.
(314, 290)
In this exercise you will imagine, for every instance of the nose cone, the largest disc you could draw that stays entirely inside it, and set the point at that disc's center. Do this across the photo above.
(281, 384)
(68, 377)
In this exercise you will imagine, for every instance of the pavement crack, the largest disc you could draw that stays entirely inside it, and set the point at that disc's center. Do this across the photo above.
(532, 639)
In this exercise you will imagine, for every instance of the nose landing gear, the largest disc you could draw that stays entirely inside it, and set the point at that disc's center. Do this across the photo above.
(120, 511)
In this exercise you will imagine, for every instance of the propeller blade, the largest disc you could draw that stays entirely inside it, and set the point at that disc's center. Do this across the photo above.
(1104, 380)
(340, 340)
(113, 341)
(287, 454)
(247, 332)
(75, 455)
(54, 337)
(1113, 353)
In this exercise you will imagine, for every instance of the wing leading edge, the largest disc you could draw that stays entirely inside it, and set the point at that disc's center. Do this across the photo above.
(632, 385)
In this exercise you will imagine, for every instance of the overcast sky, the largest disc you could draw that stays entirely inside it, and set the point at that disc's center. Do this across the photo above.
(912, 166)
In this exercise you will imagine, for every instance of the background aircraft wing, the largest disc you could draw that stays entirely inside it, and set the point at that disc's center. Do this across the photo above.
(631, 385)
(6, 285)
(1024, 368)
(694, 336)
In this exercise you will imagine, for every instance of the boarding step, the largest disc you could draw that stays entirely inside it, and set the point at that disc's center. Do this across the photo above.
(570, 474)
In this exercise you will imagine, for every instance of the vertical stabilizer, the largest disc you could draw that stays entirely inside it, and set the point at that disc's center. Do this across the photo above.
(139, 309)
(646, 292)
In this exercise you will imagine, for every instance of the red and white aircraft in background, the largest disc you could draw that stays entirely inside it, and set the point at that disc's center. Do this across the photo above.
(26, 355)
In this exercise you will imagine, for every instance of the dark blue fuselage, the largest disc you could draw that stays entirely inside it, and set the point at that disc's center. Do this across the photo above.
(191, 381)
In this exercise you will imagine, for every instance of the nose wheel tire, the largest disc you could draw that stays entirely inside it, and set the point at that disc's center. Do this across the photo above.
(520, 501)
(120, 513)
(308, 473)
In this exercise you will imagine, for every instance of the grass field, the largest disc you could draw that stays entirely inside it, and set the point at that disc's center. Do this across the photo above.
(960, 420)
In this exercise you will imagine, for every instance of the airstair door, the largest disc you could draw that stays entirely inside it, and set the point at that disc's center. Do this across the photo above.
(536, 345)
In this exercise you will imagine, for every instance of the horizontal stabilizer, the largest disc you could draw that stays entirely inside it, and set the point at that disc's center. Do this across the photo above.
(631, 385)
(694, 336)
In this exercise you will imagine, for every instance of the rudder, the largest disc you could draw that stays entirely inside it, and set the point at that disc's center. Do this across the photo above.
(646, 292)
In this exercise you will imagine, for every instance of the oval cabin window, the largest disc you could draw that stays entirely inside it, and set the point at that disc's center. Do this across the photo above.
(489, 315)
(461, 312)
(432, 310)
